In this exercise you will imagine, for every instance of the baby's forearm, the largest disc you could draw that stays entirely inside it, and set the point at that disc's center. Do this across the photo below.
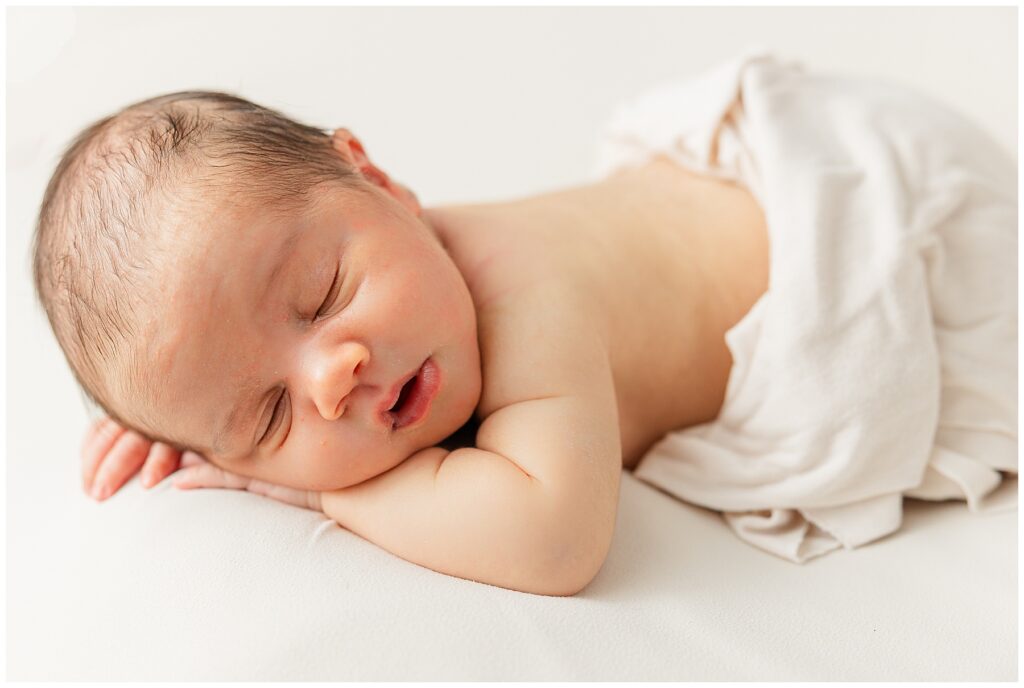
(468, 513)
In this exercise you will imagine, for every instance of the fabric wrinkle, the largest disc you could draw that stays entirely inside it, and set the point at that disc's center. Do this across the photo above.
(871, 368)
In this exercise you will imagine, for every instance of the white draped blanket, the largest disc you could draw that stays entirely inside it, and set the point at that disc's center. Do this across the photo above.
(882, 360)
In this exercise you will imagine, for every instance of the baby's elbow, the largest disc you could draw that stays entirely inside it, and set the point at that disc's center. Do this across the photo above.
(542, 578)
(566, 581)
(573, 584)
(575, 561)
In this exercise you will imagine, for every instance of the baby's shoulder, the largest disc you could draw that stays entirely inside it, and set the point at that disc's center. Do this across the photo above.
(539, 340)
(538, 323)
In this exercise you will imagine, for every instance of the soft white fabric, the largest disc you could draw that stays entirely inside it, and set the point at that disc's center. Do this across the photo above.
(224, 586)
(882, 361)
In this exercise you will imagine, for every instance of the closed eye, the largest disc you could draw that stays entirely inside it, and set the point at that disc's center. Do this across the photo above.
(331, 295)
(274, 422)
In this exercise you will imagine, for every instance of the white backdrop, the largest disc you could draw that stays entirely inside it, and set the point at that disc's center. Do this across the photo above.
(461, 104)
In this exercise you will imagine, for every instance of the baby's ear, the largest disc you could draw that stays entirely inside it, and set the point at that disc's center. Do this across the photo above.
(351, 149)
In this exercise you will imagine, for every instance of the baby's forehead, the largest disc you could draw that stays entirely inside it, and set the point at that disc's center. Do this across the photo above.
(195, 221)
(235, 202)
(218, 258)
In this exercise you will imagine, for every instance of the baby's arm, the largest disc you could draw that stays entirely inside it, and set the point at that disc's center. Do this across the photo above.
(531, 508)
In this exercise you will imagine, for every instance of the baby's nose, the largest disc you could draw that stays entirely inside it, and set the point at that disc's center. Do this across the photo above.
(338, 377)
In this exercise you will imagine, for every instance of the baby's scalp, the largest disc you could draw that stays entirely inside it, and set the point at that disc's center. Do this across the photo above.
(116, 203)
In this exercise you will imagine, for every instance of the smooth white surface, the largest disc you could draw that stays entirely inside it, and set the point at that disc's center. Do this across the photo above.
(462, 104)
(230, 586)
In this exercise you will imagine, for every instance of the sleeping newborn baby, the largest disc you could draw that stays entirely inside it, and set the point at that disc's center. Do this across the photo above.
(255, 304)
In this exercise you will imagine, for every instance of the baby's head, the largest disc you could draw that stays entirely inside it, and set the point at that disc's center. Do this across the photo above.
(226, 280)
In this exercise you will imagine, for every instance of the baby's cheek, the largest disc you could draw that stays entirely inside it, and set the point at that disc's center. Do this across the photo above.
(445, 312)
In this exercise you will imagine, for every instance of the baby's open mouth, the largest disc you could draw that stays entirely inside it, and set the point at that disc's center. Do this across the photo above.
(413, 400)
(403, 395)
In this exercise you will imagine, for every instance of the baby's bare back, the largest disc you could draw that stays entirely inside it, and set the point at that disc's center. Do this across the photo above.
(649, 267)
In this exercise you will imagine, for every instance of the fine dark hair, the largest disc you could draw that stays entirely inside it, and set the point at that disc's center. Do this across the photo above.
(107, 209)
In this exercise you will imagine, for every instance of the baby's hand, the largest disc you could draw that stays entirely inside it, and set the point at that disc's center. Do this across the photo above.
(111, 455)
(198, 472)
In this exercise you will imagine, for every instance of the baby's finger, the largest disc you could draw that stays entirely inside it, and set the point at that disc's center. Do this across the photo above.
(101, 428)
(190, 458)
(90, 433)
(122, 461)
(163, 460)
(98, 447)
(206, 474)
